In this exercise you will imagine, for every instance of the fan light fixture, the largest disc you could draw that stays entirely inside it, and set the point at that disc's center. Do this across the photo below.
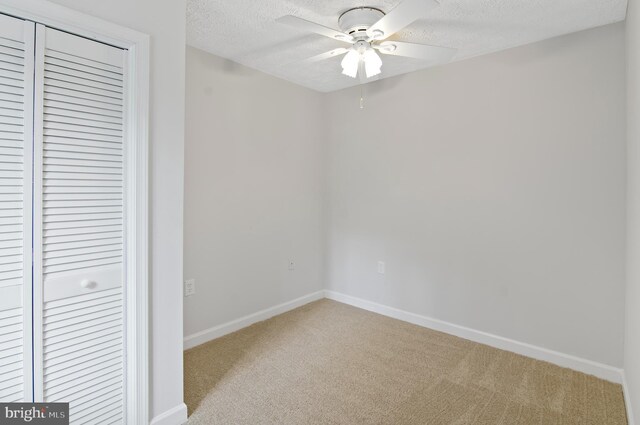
(372, 63)
(350, 63)
(361, 53)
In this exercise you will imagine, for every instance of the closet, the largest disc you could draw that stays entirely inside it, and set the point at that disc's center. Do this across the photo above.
(62, 233)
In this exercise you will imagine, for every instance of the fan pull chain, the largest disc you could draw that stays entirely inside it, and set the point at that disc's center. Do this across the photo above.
(361, 97)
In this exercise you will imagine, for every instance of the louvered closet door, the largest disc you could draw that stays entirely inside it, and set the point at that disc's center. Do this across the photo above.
(16, 122)
(79, 202)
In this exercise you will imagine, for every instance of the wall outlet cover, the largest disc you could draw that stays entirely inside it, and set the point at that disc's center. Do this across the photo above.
(381, 267)
(189, 287)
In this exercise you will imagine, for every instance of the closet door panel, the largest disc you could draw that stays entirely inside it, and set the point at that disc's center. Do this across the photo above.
(16, 123)
(80, 231)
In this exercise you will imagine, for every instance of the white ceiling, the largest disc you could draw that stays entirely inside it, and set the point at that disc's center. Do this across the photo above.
(245, 31)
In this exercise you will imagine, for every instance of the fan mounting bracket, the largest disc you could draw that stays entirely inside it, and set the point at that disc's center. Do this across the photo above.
(357, 21)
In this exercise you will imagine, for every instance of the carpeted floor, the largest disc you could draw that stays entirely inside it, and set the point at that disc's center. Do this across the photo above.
(329, 363)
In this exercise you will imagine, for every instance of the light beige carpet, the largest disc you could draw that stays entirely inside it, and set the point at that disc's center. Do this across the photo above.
(329, 363)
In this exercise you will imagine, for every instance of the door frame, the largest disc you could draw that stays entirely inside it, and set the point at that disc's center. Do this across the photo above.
(136, 151)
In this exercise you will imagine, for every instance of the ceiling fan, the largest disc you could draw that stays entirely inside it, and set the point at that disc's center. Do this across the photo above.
(366, 29)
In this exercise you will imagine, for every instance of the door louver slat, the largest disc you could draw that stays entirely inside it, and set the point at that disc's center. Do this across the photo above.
(105, 392)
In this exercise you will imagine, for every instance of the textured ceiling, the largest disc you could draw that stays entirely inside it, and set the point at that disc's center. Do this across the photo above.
(245, 31)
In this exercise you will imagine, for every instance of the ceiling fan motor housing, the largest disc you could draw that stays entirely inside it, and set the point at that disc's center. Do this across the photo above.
(356, 21)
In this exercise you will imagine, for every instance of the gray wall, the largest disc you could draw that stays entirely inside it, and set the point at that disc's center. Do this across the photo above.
(254, 196)
(494, 190)
(632, 336)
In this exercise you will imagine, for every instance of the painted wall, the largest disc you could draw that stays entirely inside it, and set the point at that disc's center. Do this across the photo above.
(494, 191)
(165, 22)
(253, 191)
(632, 335)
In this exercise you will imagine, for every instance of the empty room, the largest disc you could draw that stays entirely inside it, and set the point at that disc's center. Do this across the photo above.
(320, 212)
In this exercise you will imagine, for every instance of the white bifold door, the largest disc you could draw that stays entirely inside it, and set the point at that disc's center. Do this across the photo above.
(62, 309)
(16, 147)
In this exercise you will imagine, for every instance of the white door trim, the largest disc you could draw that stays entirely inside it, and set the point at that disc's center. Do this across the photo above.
(136, 177)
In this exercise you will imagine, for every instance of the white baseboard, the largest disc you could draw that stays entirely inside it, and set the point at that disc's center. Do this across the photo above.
(198, 338)
(600, 370)
(627, 400)
(174, 416)
(603, 371)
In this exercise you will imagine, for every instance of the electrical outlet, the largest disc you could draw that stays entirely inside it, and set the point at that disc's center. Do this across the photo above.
(292, 265)
(381, 267)
(189, 287)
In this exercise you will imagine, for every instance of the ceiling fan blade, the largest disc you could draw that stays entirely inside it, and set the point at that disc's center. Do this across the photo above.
(404, 14)
(418, 51)
(303, 24)
(328, 55)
